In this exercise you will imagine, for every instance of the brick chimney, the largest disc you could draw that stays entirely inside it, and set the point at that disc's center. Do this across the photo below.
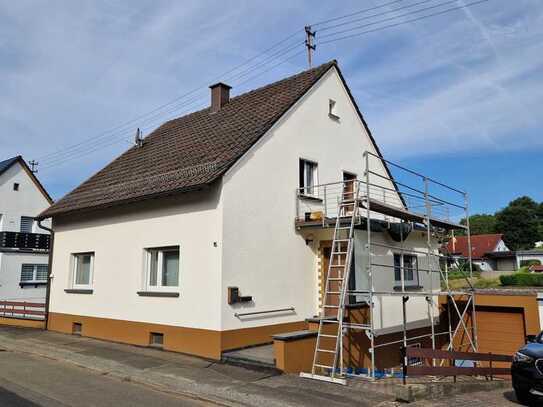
(220, 95)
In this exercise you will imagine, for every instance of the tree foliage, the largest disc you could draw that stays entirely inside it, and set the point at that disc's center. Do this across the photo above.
(481, 224)
(520, 222)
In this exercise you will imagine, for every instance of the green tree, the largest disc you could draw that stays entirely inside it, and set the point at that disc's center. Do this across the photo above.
(520, 223)
(481, 224)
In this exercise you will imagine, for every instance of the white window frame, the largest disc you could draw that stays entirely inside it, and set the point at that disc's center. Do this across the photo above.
(34, 279)
(160, 269)
(304, 188)
(411, 282)
(75, 270)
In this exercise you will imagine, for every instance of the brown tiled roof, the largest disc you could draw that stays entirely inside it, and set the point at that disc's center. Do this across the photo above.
(192, 151)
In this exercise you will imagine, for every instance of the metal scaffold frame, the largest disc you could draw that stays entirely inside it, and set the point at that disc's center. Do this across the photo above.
(369, 206)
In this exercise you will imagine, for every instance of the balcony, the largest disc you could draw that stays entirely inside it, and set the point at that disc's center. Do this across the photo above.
(20, 241)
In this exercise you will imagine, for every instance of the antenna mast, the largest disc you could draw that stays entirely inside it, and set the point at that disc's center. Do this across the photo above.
(310, 43)
(33, 166)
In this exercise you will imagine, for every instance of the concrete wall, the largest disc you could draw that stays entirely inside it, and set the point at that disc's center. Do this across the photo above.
(118, 238)
(263, 254)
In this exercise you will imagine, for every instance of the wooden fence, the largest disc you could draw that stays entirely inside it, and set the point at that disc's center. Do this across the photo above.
(432, 369)
(22, 310)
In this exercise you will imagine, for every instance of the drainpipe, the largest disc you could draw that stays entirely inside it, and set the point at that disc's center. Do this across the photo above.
(50, 269)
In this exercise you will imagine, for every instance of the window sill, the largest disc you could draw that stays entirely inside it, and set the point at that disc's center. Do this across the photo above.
(79, 290)
(157, 294)
(408, 287)
(36, 284)
(333, 116)
(309, 198)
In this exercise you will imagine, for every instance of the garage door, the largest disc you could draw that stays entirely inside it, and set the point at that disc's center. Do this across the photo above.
(500, 330)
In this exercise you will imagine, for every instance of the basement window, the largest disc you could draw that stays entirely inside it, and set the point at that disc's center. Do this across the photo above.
(308, 177)
(156, 339)
(76, 328)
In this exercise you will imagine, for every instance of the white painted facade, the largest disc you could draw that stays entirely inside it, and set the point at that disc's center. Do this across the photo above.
(239, 233)
(25, 200)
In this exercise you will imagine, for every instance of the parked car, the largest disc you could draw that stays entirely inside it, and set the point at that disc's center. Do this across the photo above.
(527, 370)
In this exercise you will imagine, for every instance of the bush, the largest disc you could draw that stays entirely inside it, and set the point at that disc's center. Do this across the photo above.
(528, 263)
(523, 279)
(456, 275)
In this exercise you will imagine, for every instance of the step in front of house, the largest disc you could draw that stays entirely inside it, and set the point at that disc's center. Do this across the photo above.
(261, 357)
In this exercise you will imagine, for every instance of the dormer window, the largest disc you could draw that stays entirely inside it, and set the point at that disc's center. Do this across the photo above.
(332, 109)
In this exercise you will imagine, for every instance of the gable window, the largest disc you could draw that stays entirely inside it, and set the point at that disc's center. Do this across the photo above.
(83, 264)
(162, 268)
(26, 224)
(410, 266)
(332, 109)
(308, 177)
(34, 273)
(15, 186)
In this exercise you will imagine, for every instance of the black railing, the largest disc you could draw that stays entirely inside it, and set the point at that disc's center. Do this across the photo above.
(25, 241)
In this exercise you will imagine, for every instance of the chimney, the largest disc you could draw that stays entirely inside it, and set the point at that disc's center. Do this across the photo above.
(220, 95)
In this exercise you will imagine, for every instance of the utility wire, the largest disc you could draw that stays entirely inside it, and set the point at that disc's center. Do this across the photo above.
(107, 133)
(373, 15)
(396, 24)
(353, 14)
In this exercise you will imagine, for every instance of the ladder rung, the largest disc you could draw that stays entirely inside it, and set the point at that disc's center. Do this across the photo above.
(340, 253)
(341, 240)
(332, 292)
(331, 306)
(326, 350)
(325, 366)
(344, 228)
(328, 336)
(337, 265)
(335, 279)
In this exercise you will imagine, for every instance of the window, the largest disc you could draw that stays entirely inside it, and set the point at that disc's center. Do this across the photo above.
(156, 339)
(83, 264)
(15, 186)
(308, 177)
(332, 109)
(34, 273)
(410, 270)
(26, 224)
(163, 268)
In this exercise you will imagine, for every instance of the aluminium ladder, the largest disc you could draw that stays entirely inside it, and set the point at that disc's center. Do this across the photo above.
(328, 350)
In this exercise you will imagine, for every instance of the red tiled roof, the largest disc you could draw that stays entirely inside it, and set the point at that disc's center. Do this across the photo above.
(192, 151)
(480, 244)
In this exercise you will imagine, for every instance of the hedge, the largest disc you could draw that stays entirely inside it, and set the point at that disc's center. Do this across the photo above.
(523, 279)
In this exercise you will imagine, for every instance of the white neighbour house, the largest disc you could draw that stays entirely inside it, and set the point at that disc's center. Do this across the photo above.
(534, 256)
(189, 241)
(24, 246)
(488, 251)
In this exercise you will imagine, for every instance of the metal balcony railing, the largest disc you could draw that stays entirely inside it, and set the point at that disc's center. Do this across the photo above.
(25, 241)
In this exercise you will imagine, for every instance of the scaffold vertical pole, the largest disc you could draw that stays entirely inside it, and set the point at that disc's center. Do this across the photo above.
(369, 267)
(470, 264)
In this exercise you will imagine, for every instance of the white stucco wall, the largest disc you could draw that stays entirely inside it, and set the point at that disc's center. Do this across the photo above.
(27, 201)
(263, 254)
(387, 308)
(119, 237)
(10, 277)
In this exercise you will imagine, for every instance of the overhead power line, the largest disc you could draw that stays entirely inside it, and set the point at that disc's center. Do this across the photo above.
(354, 14)
(395, 24)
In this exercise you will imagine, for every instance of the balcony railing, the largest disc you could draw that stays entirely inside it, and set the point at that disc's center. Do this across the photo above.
(25, 241)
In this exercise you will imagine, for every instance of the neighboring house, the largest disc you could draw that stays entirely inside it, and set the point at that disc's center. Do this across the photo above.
(24, 246)
(525, 257)
(488, 251)
(536, 268)
(188, 241)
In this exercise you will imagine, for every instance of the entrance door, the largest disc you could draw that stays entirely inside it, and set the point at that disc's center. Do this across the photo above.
(348, 190)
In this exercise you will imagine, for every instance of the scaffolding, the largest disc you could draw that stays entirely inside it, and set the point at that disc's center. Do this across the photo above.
(403, 203)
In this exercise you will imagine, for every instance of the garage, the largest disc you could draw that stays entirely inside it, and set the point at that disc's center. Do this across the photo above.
(500, 330)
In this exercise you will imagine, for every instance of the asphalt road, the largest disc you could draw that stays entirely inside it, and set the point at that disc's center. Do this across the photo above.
(29, 381)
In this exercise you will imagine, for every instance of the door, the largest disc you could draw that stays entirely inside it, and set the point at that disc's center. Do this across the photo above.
(349, 185)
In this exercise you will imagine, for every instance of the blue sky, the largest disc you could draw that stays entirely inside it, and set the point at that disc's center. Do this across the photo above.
(457, 96)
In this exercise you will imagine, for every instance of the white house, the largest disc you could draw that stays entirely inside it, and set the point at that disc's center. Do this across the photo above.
(201, 239)
(24, 246)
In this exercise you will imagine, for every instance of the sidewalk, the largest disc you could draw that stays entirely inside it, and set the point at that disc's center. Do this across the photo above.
(210, 381)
